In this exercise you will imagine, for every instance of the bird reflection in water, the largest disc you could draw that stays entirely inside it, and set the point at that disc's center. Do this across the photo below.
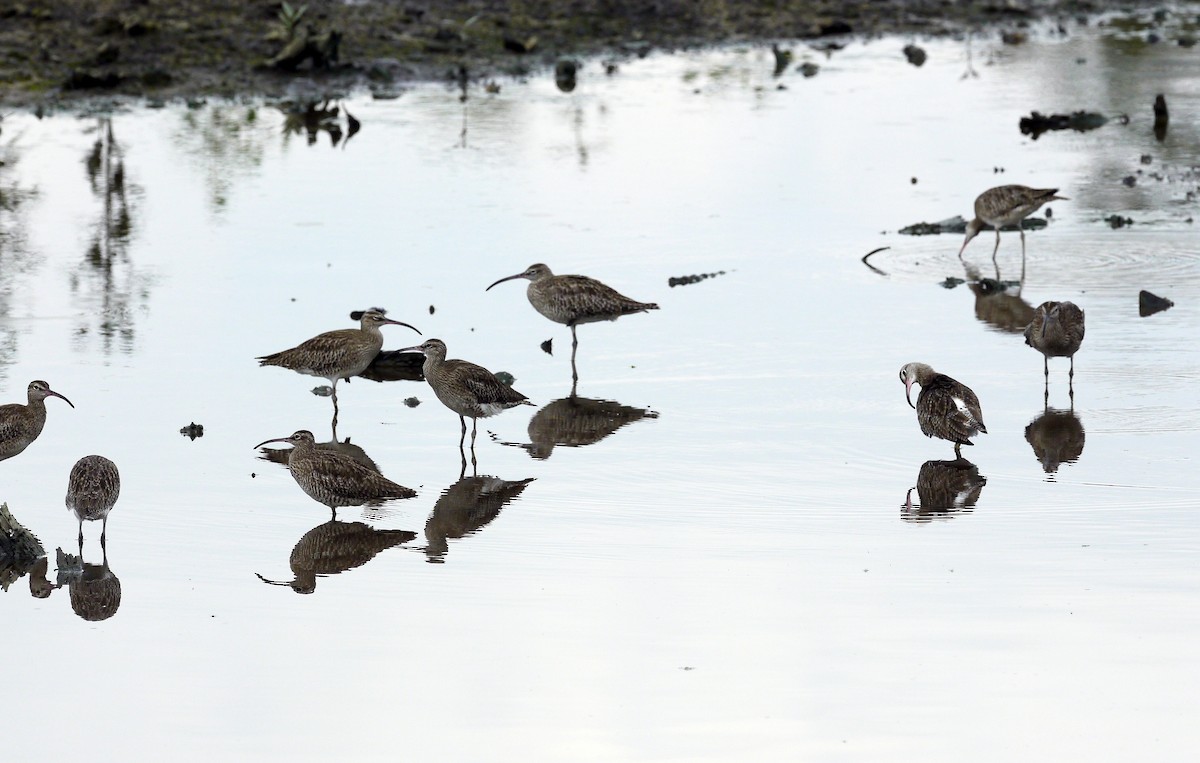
(465, 508)
(1057, 438)
(998, 303)
(335, 547)
(575, 421)
(94, 589)
(944, 488)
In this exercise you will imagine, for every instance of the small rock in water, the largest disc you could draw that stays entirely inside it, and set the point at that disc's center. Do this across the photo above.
(1116, 221)
(431, 309)
(1149, 304)
(505, 378)
(1129, 180)
(915, 55)
(808, 69)
(192, 431)
(1146, 158)
(913, 181)
(548, 346)
(323, 391)
(411, 402)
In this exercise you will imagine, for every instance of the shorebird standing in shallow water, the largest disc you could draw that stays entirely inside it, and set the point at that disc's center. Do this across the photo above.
(465, 388)
(334, 479)
(946, 408)
(21, 424)
(92, 490)
(337, 354)
(1056, 331)
(1006, 205)
(573, 300)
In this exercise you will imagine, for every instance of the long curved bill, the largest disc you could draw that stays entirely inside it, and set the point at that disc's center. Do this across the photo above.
(907, 391)
(60, 397)
(418, 348)
(277, 439)
(506, 278)
(399, 323)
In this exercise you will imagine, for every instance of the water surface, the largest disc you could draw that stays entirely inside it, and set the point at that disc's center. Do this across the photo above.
(739, 571)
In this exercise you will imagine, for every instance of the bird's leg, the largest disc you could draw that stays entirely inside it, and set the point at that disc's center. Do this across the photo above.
(574, 346)
(335, 409)
(1071, 375)
(462, 437)
(997, 247)
(81, 539)
(958, 450)
(474, 426)
(1021, 229)
(103, 531)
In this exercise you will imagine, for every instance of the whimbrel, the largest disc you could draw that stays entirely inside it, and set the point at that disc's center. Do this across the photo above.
(21, 424)
(465, 388)
(573, 300)
(1056, 331)
(337, 354)
(333, 479)
(944, 488)
(92, 489)
(1007, 205)
(946, 408)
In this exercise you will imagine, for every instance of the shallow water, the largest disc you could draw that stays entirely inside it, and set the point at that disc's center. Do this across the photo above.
(740, 571)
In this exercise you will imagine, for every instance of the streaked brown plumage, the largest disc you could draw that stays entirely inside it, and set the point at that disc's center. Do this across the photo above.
(573, 300)
(92, 489)
(946, 408)
(469, 390)
(21, 424)
(466, 507)
(339, 354)
(1056, 331)
(944, 488)
(335, 547)
(333, 479)
(1007, 205)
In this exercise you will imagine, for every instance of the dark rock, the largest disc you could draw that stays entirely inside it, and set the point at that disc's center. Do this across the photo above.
(548, 346)
(915, 55)
(1116, 221)
(1129, 181)
(809, 69)
(1161, 117)
(1149, 304)
(834, 28)
(565, 70)
(1147, 158)
(85, 79)
(513, 45)
(411, 402)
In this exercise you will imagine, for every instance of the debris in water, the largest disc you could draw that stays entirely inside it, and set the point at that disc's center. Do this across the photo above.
(548, 346)
(808, 69)
(685, 280)
(1116, 221)
(505, 378)
(1149, 304)
(323, 391)
(411, 402)
(192, 431)
(1080, 121)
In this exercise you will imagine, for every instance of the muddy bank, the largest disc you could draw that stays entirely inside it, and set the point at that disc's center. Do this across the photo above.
(54, 50)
